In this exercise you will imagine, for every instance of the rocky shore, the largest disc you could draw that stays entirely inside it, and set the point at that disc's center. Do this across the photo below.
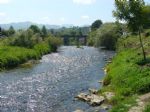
(94, 99)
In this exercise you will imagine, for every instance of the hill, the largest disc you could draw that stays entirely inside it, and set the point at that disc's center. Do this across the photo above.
(25, 25)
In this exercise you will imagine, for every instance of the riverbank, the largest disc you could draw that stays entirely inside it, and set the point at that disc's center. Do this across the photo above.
(127, 76)
(12, 56)
(20, 46)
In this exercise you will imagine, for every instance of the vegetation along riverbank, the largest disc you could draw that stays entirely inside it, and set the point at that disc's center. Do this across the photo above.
(18, 47)
(128, 75)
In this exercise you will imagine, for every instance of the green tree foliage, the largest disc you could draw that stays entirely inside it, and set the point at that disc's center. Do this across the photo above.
(11, 31)
(96, 25)
(44, 32)
(30, 38)
(54, 42)
(25, 45)
(27, 39)
(131, 11)
(7, 33)
(71, 35)
(4, 32)
(146, 16)
(107, 36)
(92, 38)
(35, 29)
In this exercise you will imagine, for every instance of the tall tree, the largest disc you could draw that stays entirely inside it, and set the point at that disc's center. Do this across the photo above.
(96, 25)
(11, 31)
(131, 11)
(44, 32)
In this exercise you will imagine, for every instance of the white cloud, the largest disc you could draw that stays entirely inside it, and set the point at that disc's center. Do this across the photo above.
(84, 2)
(4, 1)
(85, 17)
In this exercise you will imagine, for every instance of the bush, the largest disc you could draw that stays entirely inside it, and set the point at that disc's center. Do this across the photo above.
(147, 33)
(26, 39)
(42, 48)
(54, 43)
(92, 38)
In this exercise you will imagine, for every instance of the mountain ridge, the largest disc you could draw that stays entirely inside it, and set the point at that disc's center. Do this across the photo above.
(27, 24)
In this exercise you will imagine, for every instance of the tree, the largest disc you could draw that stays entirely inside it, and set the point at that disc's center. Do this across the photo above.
(80, 32)
(35, 28)
(146, 16)
(131, 11)
(26, 38)
(96, 25)
(0, 29)
(11, 31)
(107, 36)
(44, 32)
(92, 38)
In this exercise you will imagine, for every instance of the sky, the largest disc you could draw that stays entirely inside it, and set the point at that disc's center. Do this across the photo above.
(57, 12)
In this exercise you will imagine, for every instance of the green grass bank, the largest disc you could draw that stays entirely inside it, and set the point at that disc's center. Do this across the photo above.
(13, 56)
(128, 75)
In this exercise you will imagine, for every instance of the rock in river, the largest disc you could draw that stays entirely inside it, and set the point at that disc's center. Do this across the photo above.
(92, 99)
(93, 91)
(78, 110)
(96, 100)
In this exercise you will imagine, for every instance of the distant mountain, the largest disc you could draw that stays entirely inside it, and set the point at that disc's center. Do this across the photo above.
(67, 25)
(25, 25)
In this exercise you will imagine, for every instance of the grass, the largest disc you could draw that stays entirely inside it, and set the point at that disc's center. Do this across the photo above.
(14, 55)
(11, 56)
(122, 104)
(43, 48)
(128, 76)
(147, 109)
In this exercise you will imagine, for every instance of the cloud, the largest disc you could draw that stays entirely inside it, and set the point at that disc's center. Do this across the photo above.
(4, 1)
(85, 17)
(84, 2)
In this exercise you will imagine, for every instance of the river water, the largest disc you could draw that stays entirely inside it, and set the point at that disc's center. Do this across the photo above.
(51, 85)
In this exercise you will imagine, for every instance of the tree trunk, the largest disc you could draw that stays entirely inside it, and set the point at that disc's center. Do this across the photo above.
(140, 37)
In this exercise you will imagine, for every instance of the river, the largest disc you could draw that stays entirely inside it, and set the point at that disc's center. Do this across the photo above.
(52, 84)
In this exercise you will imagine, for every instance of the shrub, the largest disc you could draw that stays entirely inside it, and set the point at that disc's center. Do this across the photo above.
(42, 48)
(147, 33)
(54, 43)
